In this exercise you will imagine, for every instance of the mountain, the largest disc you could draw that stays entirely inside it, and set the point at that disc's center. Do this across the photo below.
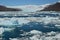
(4, 8)
(52, 7)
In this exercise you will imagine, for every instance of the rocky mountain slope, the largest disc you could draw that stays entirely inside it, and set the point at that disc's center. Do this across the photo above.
(4, 8)
(52, 7)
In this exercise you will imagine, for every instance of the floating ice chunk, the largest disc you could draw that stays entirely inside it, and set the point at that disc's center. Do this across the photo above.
(57, 36)
(1, 30)
(51, 33)
(35, 37)
(35, 32)
(14, 39)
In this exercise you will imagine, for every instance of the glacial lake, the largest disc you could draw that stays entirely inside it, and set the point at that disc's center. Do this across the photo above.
(20, 22)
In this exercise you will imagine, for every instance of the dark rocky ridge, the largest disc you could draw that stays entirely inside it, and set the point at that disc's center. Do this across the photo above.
(53, 7)
(4, 8)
